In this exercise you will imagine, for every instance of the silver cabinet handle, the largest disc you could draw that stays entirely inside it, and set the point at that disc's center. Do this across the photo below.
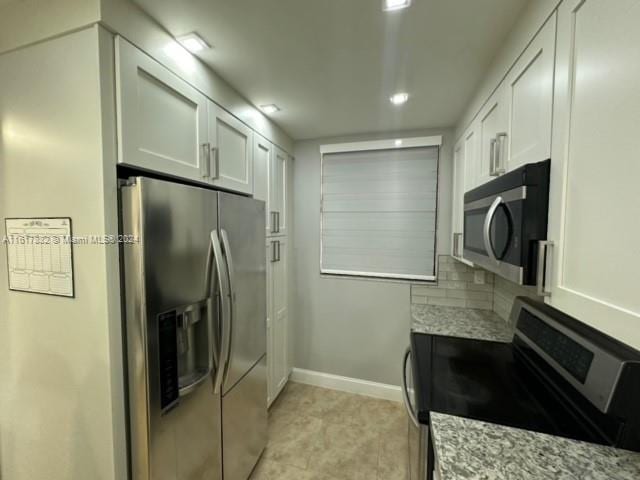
(274, 256)
(405, 390)
(232, 298)
(542, 276)
(215, 160)
(205, 160)
(492, 157)
(487, 228)
(277, 222)
(273, 222)
(278, 242)
(500, 162)
(225, 297)
(456, 245)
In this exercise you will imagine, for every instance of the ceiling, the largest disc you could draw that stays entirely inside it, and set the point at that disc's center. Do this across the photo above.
(331, 65)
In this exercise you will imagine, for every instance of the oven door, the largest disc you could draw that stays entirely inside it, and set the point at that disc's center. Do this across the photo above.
(418, 433)
(493, 233)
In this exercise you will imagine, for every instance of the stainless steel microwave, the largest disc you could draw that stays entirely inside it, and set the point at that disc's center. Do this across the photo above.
(505, 222)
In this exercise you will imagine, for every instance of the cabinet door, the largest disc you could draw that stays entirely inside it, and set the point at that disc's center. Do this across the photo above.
(457, 200)
(262, 153)
(471, 157)
(278, 342)
(278, 192)
(493, 130)
(530, 99)
(162, 120)
(232, 151)
(595, 199)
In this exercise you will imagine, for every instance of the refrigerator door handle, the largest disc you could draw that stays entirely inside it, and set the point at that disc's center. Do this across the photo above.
(232, 298)
(225, 296)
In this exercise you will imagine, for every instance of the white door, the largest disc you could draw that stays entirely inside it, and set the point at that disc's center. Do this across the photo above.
(278, 192)
(262, 155)
(232, 151)
(595, 198)
(471, 156)
(162, 120)
(530, 100)
(277, 324)
(493, 137)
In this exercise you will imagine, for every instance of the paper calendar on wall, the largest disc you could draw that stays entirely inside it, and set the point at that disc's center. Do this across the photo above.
(39, 255)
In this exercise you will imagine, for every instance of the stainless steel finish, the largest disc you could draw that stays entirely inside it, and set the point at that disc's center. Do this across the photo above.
(456, 244)
(492, 157)
(277, 222)
(418, 434)
(274, 255)
(604, 374)
(405, 391)
(504, 269)
(215, 158)
(486, 229)
(543, 248)
(279, 244)
(244, 423)
(225, 309)
(274, 224)
(205, 161)
(242, 219)
(500, 162)
(232, 297)
(164, 271)
(515, 194)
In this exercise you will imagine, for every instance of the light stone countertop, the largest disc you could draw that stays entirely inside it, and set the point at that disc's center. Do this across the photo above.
(460, 322)
(468, 449)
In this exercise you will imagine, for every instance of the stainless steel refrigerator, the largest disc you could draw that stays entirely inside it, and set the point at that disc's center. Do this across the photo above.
(195, 304)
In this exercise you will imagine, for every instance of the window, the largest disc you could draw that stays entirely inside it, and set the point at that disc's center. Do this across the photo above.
(378, 208)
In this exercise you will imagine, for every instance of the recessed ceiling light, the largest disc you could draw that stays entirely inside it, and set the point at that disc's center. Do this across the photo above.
(391, 5)
(398, 142)
(399, 98)
(193, 42)
(269, 109)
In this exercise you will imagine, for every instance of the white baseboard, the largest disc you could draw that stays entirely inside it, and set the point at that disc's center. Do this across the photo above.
(346, 384)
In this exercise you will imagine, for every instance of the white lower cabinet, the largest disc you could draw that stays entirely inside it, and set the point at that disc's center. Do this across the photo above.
(595, 198)
(162, 120)
(278, 368)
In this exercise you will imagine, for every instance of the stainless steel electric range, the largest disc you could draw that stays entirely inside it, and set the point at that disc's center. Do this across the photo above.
(558, 376)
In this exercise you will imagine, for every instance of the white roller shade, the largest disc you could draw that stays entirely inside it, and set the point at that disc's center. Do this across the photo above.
(379, 213)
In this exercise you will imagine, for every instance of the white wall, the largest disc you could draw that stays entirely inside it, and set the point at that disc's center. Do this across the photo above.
(352, 327)
(61, 392)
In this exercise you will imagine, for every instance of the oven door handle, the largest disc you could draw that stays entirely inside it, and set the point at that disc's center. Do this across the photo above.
(487, 228)
(405, 390)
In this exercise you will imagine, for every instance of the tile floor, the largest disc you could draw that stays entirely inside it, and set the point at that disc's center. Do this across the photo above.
(319, 434)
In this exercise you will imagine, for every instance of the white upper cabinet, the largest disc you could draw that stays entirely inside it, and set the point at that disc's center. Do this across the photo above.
(231, 151)
(278, 192)
(162, 120)
(262, 154)
(595, 199)
(493, 137)
(529, 95)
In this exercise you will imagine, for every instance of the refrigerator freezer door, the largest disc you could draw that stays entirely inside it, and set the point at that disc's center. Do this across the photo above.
(242, 224)
(171, 317)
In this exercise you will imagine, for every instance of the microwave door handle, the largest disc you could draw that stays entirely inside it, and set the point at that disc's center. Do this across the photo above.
(232, 298)
(405, 390)
(223, 285)
(487, 228)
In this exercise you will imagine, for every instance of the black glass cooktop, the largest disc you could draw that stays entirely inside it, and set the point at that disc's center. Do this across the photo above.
(489, 381)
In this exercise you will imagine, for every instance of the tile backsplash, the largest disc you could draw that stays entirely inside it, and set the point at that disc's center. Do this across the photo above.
(456, 287)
